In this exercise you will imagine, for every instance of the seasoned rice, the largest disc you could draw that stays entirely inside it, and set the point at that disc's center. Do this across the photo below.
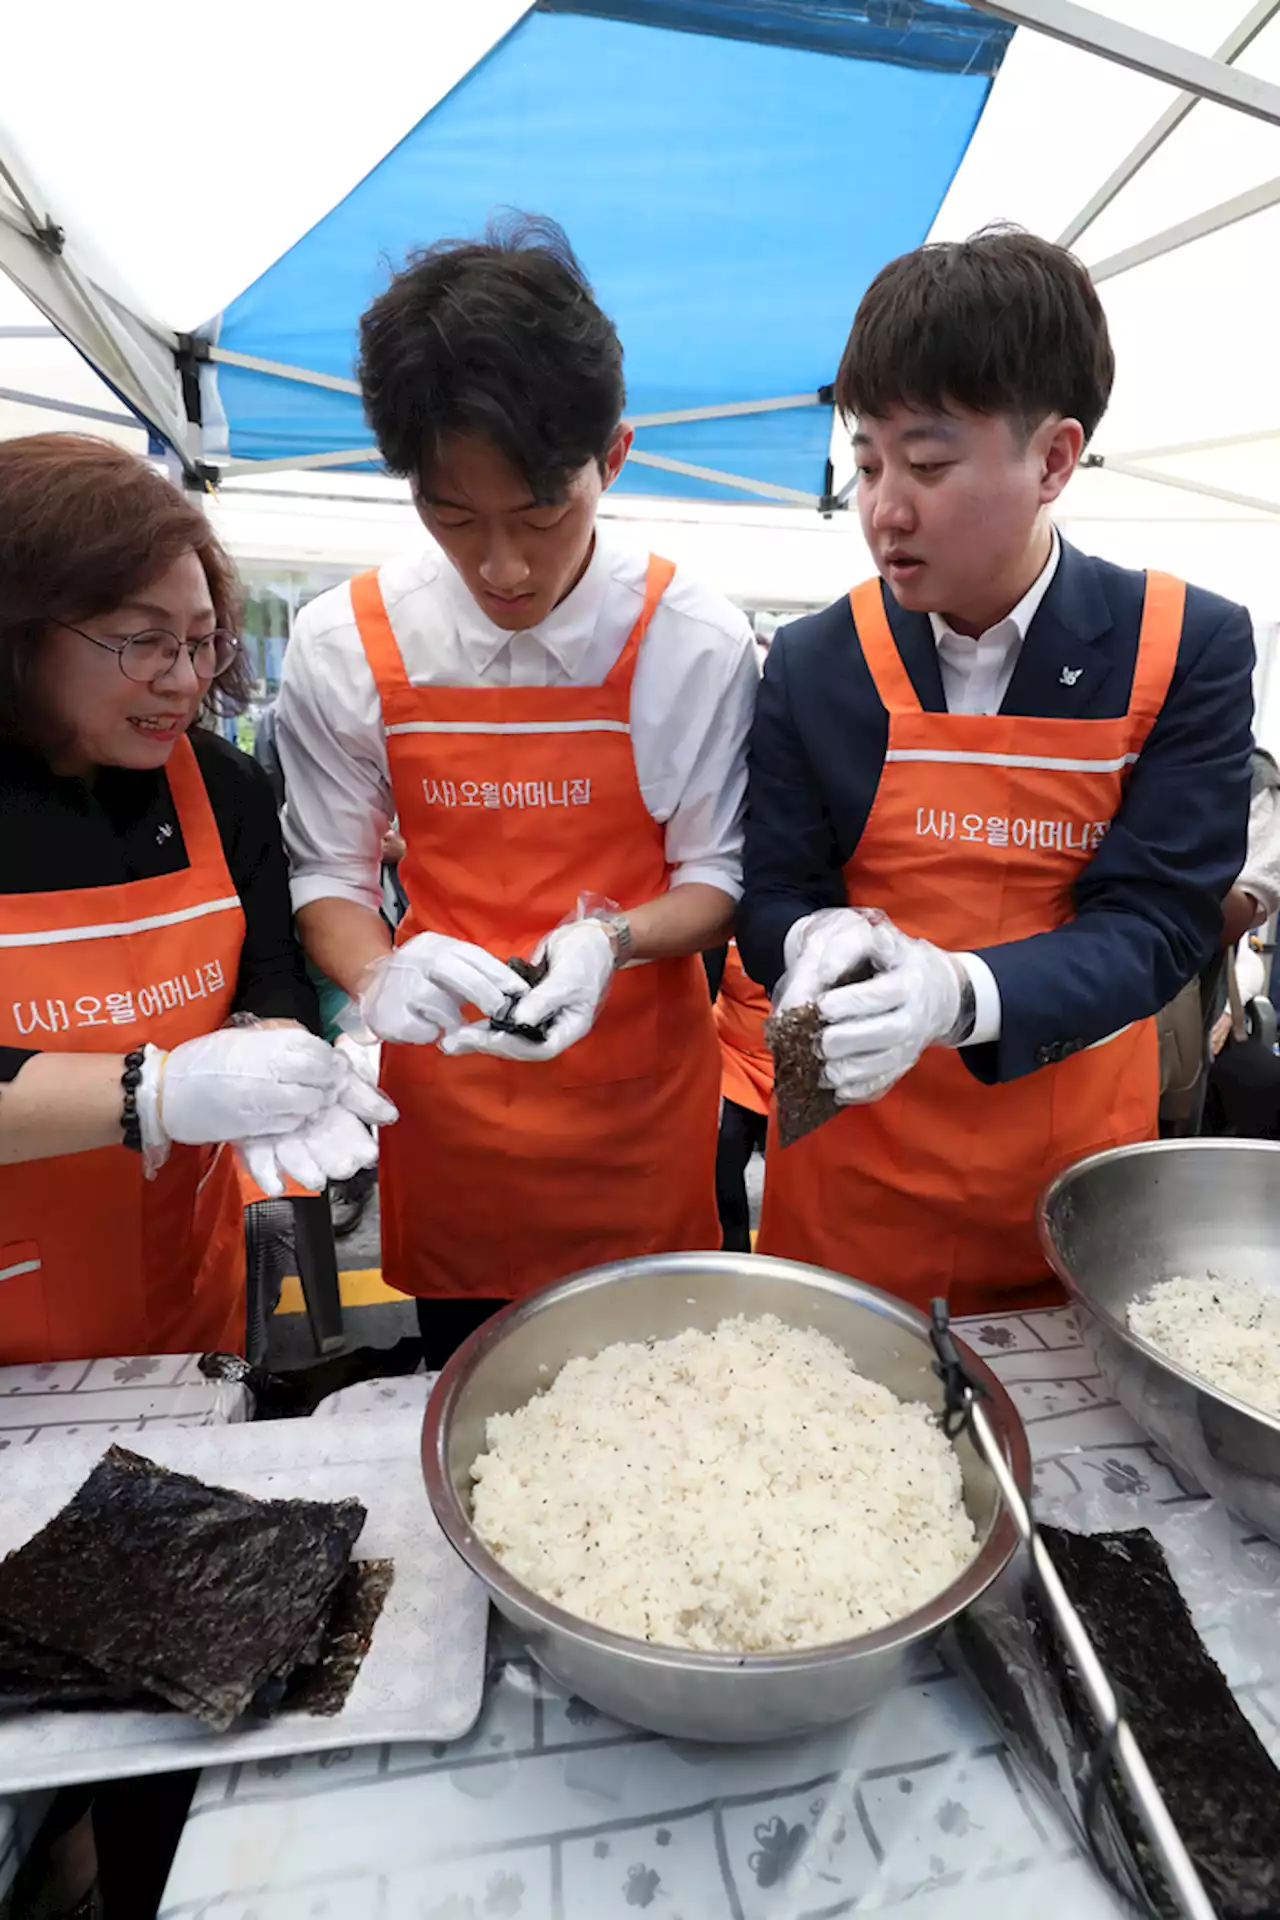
(1226, 1331)
(744, 1491)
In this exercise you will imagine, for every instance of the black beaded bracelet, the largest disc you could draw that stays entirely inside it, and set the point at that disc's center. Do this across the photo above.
(130, 1125)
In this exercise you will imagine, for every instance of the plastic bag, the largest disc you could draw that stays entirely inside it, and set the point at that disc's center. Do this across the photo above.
(804, 1101)
(1005, 1645)
(590, 906)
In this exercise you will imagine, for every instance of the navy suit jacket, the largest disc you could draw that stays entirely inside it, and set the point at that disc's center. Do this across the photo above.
(1148, 902)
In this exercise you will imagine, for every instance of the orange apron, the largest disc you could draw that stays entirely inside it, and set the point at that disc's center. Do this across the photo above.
(96, 1260)
(979, 829)
(502, 1176)
(746, 1063)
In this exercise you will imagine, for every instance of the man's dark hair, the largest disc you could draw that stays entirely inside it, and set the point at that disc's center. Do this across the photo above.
(500, 338)
(1003, 323)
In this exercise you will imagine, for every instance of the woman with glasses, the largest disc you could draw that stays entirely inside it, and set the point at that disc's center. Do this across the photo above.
(153, 1003)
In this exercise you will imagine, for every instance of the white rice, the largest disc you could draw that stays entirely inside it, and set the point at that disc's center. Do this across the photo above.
(1226, 1331)
(742, 1491)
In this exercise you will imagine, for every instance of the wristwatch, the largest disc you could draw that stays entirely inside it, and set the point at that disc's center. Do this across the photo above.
(623, 941)
(968, 1014)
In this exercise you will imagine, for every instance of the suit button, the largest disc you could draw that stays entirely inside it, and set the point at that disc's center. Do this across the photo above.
(1044, 1056)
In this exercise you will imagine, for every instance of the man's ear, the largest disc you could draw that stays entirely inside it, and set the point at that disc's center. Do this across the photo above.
(1060, 455)
(616, 458)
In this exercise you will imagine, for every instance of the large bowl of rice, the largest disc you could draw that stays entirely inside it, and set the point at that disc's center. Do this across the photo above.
(1171, 1253)
(711, 1491)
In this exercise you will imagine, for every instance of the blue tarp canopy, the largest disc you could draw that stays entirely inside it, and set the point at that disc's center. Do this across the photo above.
(731, 174)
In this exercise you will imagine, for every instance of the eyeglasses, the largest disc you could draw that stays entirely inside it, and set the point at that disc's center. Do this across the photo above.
(150, 655)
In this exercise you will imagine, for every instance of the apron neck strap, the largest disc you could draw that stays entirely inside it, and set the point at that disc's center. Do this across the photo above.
(190, 797)
(880, 650)
(658, 578)
(1162, 607)
(377, 635)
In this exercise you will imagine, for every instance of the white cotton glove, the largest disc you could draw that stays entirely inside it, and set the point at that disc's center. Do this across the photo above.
(825, 947)
(875, 1031)
(233, 1085)
(580, 967)
(416, 992)
(332, 1145)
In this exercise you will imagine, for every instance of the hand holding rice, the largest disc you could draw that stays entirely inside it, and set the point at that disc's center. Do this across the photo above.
(742, 1491)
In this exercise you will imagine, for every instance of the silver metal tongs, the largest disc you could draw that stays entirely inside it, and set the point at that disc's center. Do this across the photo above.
(1117, 1746)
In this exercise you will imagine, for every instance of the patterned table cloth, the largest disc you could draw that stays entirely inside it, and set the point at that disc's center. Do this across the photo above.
(550, 1812)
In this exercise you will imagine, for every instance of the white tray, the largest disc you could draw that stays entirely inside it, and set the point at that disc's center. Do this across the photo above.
(423, 1677)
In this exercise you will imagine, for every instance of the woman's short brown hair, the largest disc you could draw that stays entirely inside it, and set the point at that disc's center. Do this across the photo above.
(1003, 323)
(85, 524)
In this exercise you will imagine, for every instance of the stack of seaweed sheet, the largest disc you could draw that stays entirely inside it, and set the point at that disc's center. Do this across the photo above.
(1213, 1772)
(151, 1590)
(1219, 1785)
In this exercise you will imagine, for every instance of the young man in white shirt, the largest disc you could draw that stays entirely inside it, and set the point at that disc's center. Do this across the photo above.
(559, 721)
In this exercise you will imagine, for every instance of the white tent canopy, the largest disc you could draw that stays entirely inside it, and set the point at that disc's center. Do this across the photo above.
(178, 162)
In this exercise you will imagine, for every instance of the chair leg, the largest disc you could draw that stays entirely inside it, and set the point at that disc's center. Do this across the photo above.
(318, 1271)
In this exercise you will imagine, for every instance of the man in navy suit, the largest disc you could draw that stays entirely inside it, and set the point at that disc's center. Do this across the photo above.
(1008, 781)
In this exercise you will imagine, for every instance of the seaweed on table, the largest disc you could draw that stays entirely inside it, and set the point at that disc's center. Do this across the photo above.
(1216, 1777)
(150, 1588)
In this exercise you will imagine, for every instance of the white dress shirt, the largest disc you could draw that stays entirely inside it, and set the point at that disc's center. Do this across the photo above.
(975, 679)
(1261, 873)
(976, 673)
(691, 706)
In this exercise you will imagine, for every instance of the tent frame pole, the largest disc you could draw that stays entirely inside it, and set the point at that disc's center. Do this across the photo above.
(358, 456)
(1180, 447)
(1132, 470)
(74, 410)
(1195, 73)
(1237, 41)
(57, 277)
(1228, 213)
(676, 416)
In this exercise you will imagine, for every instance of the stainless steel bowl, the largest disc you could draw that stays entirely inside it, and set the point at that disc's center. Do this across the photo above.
(704, 1696)
(1114, 1225)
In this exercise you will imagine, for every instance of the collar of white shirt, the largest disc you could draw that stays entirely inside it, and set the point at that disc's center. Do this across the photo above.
(564, 634)
(1014, 625)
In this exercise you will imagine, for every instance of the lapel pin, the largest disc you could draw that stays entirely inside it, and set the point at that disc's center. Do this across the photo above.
(1070, 675)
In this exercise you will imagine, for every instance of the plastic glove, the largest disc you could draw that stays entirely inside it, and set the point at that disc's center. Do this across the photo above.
(877, 1030)
(824, 947)
(235, 1084)
(580, 967)
(416, 992)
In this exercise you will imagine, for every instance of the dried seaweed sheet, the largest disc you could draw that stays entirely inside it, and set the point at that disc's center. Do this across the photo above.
(323, 1687)
(168, 1587)
(804, 1104)
(1215, 1775)
(505, 1022)
(34, 1676)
